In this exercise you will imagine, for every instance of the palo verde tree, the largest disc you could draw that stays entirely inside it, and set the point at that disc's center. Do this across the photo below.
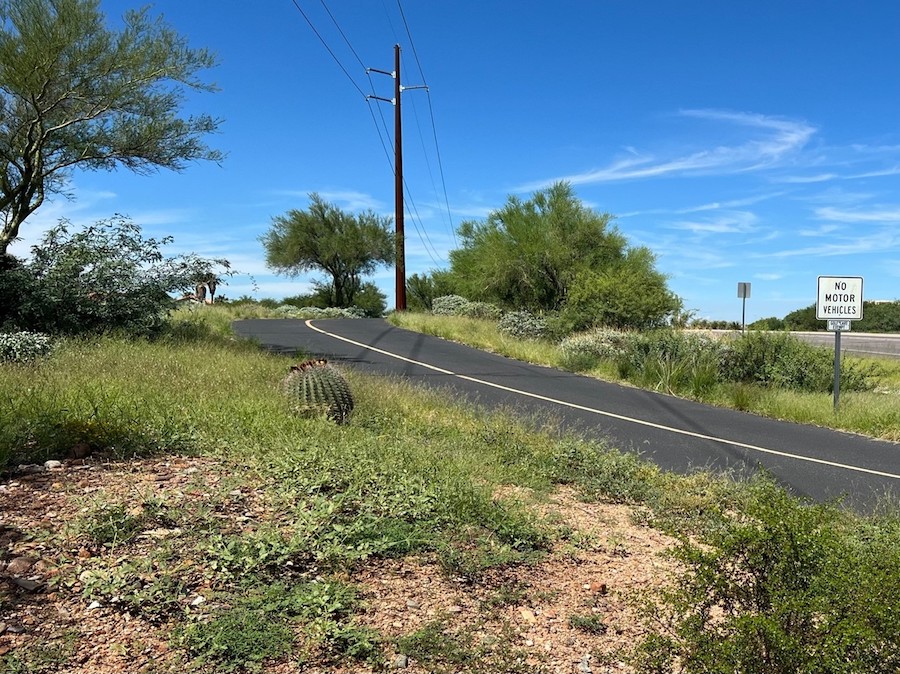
(324, 238)
(553, 254)
(74, 93)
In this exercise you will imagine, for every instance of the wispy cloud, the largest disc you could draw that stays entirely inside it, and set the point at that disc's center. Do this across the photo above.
(733, 222)
(780, 138)
(768, 276)
(884, 241)
(350, 200)
(890, 215)
(823, 230)
(802, 180)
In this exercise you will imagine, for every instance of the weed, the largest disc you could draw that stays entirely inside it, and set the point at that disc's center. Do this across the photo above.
(589, 623)
(41, 657)
(238, 639)
(508, 594)
(442, 650)
(111, 524)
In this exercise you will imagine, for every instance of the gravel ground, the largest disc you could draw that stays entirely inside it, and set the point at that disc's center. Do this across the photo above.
(567, 612)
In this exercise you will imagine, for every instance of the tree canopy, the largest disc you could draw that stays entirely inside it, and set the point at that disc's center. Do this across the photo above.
(551, 253)
(74, 93)
(324, 238)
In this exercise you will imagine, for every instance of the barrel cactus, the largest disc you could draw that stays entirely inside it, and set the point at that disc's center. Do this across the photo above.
(314, 387)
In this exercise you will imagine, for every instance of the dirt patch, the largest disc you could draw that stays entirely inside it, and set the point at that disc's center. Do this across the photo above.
(566, 612)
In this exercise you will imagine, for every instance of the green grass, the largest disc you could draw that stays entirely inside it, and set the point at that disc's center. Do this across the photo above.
(875, 413)
(413, 472)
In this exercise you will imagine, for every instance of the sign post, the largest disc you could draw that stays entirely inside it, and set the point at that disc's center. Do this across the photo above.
(839, 301)
(743, 294)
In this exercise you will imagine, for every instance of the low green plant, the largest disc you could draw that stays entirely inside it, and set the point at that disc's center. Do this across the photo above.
(450, 305)
(590, 623)
(143, 586)
(443, 650)
(43, 657)
(262, 623)
(522, 325)
(780, 586)
(238, 639)
(111, 524)
(24, 347)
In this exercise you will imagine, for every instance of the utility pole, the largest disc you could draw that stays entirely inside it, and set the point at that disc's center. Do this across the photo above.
(400, 238)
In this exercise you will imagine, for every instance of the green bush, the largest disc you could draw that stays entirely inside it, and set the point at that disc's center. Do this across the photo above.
(523, 325)
(106, 277)
(783, 587)
(483, 310)
(450, 305)
(782, 360)
(24, 347)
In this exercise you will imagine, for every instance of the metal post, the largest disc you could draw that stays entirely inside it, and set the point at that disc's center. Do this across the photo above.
(837, 368)
(743, 314)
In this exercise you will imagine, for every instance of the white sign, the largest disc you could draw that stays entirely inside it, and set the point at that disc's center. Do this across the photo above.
(838, 326)
(840, 297)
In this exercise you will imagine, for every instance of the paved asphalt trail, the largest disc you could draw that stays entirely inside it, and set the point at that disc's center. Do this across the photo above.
(676, 434)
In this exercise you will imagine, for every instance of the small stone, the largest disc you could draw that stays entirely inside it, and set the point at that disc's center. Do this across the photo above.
(413, 604)
(400, 662)
(585, 665)
(15, 629)
(455, 609)
(94, 605)
(599, 588)
(52, 464)
(84, 553)
(19, 565)
(527, 615)
(27, 585)
(30, 468)
(2, 628)
(80, 450)
(199, 599)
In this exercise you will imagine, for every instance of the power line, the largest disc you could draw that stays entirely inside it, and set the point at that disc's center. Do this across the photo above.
(433, 126)
(325, 44)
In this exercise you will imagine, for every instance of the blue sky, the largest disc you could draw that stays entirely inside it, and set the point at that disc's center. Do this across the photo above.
(754, 141)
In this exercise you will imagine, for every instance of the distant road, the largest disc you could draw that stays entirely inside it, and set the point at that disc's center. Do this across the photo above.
(862, 343)
(677, 434)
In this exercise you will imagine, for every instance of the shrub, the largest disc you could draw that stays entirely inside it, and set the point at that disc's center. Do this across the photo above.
(584, 350)
(106, 277)
(783, 587)
(483, 310)
(24, 347)
(523, 325)
(782, 360)
(450, 305)
(289, 311)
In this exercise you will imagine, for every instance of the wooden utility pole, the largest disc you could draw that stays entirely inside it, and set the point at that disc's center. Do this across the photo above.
(400, 281)
(400, 238)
